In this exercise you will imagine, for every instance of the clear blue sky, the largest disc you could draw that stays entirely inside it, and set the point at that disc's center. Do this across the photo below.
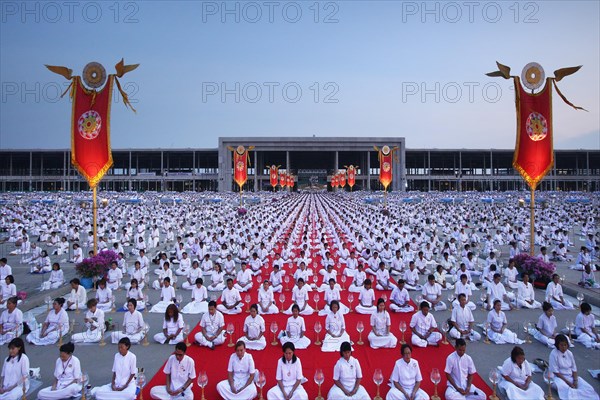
(362, 68)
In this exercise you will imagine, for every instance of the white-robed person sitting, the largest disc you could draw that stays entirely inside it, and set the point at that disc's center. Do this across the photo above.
(497, 331)
(239, 384)
(180, 373)
(517, 381)
(94, 324)
(167, 297)
(67, 376)
(462, 321)
(122, 385)
(11, 321)
(133, 325)
(400, 299)
(78, 297)
(104, 296)
(14, 370)
(55, 325)
(424, 327)
(545, 329)
(254, 330)
(266, 299)
(366, 299)
(464, 287)
(300, 298)
(135, 292)
(335, 329)
(432, 293)
(194, 273)
(56, 279)
(198, 304)
(460, 370)
(173, 324)
(554, 295)
(212, 327)
(380, 335)
(295, 330)
(585, 328)
(358, 280)
(333, 293)
(347, 375)
(231, 301)
(406, 378)
(526, 295)
(289, 377)
(217, 279)
(569, 384)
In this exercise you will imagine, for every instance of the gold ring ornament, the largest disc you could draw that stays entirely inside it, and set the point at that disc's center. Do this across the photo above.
(533, 76)
(94, 75)
(385, 150)
(240, 149)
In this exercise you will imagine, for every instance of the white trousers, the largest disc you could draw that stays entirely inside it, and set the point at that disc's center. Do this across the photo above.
(225, 391)
(335, 393)
(584, 390)
(432, 340)
(275, 393)
(65, 393)
(395, 394)
(475, 394)
(160, 393)
(533, 392)
(106, 393)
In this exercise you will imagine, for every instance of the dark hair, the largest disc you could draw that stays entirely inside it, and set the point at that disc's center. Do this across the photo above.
(68, 348)
(198, 281)
(60, 301)
(92, 302)
(75, 281)
(17, 342)
(462, 295)
(546, 306)
(295, 307)
(172, 307)
(289, 345)
(423, 305)
(181, 346)
(430, 277)
(379, 301)
(132, 301)
(516, 351)
(560, 338)
(254, 307)
(345, 346)
(10, 278)
(460, 342)
(497, 301)
(212, 303)
(126, 342)
(404, 346)
(585, 307)
(337, 303)
(239, 343)
(401, 281)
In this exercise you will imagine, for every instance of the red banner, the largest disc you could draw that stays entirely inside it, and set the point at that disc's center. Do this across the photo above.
(351, 176)
(334, 181)
(290, 181)
(534, 154)
(90, 130)
(240, 165)
(282, 180)
(342, 179)
(385, 166)
(273, 173)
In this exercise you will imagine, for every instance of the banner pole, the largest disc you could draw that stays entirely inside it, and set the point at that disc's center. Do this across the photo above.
(95, 219)
(531, 223)
(241, 201)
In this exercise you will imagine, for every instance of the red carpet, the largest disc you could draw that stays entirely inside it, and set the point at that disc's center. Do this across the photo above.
(214, 362)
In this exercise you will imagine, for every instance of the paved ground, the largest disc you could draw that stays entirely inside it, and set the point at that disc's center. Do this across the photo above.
(97, 361)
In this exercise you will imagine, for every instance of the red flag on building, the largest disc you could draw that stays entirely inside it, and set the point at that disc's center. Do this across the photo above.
(282, 180)
(385, 166)
(351, 176)
(90, 130)
(534, 153)
(342, 179)
(240, 165)
(290, 181)
(273, 174)
(334, 181)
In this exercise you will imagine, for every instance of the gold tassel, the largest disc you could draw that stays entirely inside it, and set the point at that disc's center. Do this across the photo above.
(562, 96)
(70, 87)
(124, 95)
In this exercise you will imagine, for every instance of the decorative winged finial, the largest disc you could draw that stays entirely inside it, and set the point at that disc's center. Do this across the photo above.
(64, 71)
(561, 73)
(122, 69)
(503, 71)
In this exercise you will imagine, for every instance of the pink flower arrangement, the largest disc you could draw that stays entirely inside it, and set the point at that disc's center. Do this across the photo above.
(97, 265)
(536, 267)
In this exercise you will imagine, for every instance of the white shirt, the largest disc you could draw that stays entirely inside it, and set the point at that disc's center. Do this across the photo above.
(242, 368)
(525, 292)
(212, 323)
(422, 323)
(199, 293)
(366, 297)
(57, 321)
(380, 321)
(346, 372)
(10, 320)
(133, 322)
(407, 375)
(167, 293)
(180, 371)
(300, 296)
(334, 323)
(399, 297)
(496, 320)
(230, 296)
(295, 326)
(173, 326)
(96, 317)
(431, 292)
(265, 297)
(563, 363)
(124, 367)
(66, 372)
(512, 370)
(288, 373)
(459, 368)
(460, 288)
(462, 317)
(547, 325)
(553, 291)
(253, 327)
(496, 291)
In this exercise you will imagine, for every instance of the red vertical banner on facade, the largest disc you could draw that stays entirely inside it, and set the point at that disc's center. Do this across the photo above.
(240, 165)
(273, 175)
(289, 181)
(334, 181)
(385, 166)
(534, 154)
(282, 180)
(351, 176)
(342, 179)
(90, 130)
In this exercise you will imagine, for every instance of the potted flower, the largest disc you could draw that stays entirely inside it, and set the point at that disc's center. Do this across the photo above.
(94, 267)
(539, 270)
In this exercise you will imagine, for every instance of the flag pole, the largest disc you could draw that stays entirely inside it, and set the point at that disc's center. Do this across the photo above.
(531, 223)
(95, 219)
(241, 200)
